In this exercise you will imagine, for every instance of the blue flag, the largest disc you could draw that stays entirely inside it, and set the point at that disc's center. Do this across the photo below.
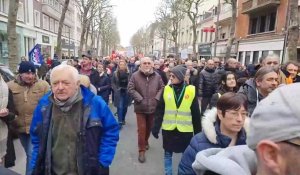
(35, 55)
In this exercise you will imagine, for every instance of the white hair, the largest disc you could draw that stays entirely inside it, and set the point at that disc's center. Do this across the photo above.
(64, 67)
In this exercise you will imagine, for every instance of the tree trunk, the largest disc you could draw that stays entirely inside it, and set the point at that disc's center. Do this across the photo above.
(12, 34)
(87, 35)
(93, 40)
(165, 45)
(98, 42)
(293, 30)
(61, 24)
(232, 30)
(194, 39)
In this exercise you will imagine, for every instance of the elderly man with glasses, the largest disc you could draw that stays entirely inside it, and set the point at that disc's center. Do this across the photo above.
(145, 87)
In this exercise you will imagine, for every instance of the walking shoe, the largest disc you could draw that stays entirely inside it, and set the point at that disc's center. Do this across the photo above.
(142, 157)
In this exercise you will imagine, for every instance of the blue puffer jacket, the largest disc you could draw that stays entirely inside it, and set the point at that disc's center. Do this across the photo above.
(204, 140)
(96, 140)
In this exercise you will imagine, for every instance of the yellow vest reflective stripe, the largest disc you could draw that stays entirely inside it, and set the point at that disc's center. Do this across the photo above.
(180, 118)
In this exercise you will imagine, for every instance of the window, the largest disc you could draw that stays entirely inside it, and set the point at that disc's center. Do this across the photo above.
(45, 22)
(37, 18)
(247, 58)
(255, 57)
(262, 23)
(4, 6)
(241, 54)
(21, 15)
(265, 53)
(51, 25)
(56, 27)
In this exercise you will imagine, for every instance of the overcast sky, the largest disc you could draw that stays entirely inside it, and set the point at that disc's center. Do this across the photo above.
(132, 15)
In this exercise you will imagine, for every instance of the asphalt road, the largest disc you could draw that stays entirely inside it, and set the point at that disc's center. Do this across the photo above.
(126, 158)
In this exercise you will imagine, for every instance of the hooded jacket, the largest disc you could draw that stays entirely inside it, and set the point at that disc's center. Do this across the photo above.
(234, 160)
(211, 137)
(96, 141)
(253, 96)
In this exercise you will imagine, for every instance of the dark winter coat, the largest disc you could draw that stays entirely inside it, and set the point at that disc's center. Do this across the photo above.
(120, 84)
(163, 76)
(211, 137)
(194, 79)
(176, 141)
(145, 91)
(253, 96)
(103, 87)
(207, 85)
(96, 141)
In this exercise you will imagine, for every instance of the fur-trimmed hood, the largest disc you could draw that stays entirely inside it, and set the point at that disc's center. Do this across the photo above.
(208, 120)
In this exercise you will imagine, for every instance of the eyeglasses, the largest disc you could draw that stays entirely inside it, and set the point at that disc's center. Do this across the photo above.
(236, 114)
(293, 142)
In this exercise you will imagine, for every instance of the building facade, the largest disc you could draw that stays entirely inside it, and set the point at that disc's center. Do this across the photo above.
(37, 23)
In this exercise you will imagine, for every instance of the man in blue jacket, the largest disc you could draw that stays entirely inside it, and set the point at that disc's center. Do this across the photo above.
(72, 131)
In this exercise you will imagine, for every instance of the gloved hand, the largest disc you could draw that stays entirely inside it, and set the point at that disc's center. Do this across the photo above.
(155, 134)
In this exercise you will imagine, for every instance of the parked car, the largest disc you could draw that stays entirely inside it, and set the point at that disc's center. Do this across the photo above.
(6, 73)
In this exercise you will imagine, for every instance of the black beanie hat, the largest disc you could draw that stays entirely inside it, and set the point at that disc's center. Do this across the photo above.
(179, 71)
(26, 66)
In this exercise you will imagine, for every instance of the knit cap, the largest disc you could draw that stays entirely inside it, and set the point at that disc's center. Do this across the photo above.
(26, 66)
(179, 71)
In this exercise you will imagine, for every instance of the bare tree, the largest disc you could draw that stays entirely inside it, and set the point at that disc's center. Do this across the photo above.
(293, 30)
(232, 27)
(12, 34)
(192, 9)
(60, 27)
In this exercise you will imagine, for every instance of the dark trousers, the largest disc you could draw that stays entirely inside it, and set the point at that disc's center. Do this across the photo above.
(204, 103)
(144, 124)
(122, 106)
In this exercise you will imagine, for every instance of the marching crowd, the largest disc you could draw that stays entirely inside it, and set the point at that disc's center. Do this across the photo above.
(225, 118)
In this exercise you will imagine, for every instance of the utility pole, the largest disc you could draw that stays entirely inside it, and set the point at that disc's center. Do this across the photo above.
(217, 28)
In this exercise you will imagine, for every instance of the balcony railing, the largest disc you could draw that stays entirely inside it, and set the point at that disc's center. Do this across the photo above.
(253, 6)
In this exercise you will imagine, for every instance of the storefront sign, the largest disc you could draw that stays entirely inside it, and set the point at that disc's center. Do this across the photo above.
(204, 49)
(45, 39)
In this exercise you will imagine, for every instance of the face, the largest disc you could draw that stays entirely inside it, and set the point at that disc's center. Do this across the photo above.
(132, 60)
(233, 120)
(100, 68)
(210, 64)
(189, 65)
(174, 79)
(271, 62)
(292, 69)
(156, 65)
(63, 85)
(85, 61)
(28, 77)
(268, 83)
(232, 64)
(217, 62)
(230, 81)
(146, 65)
(122, 65)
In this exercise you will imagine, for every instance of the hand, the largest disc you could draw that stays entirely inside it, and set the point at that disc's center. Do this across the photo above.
(4, 112)
(155, 135)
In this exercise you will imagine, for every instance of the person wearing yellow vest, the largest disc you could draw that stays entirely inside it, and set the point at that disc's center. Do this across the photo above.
(178, 115)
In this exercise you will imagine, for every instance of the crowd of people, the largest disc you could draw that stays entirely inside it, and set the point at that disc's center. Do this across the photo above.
(215, 113)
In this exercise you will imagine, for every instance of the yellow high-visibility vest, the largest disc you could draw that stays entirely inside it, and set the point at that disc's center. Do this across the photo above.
(180, 118)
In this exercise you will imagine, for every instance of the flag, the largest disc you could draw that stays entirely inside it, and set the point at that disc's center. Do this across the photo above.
(35, 55)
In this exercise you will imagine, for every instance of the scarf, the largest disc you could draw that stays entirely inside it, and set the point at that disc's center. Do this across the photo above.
(65, 106)
(3, 127)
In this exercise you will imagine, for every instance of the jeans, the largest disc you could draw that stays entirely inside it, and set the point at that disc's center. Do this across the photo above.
(26, 143)
(168, 162)
(144, 125)
(123, 105)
